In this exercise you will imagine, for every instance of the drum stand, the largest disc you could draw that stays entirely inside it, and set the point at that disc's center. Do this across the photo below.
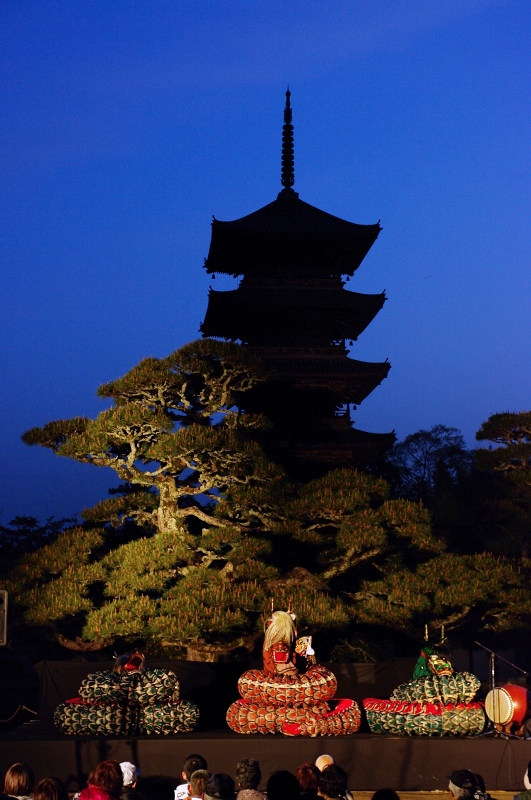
(491, 728)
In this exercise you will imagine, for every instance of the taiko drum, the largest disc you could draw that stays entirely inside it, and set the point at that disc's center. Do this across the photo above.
(507, 705)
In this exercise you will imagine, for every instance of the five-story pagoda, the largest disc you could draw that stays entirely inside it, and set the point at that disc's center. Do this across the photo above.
(292, 309)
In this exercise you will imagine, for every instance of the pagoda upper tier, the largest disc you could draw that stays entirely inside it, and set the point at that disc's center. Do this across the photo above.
(258, 313)
(289, 236)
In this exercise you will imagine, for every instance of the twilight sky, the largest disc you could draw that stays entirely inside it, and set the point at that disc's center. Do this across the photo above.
(126, 125)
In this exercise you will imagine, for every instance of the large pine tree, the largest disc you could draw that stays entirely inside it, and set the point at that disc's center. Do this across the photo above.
(205, 530)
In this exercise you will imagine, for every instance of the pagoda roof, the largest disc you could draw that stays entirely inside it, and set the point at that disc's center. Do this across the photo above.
(291, 226)
(289, 214)
(293, 313)
(354, 447)
(347, 379)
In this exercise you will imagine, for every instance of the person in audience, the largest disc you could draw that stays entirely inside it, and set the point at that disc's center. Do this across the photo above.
(220, 786)
(248, 777)
(105, 782)
(462, 784)
(333, 783)
(385, 794)
(191, 764)
(50, 789)
(324, 761)
(198, 781)
(480, 792)
(130, 775)
(19, 780)
(308, 777)
(157, 787)
(283, 785)
(527, 783)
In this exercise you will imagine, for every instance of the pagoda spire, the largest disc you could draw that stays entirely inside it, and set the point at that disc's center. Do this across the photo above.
(287, 177)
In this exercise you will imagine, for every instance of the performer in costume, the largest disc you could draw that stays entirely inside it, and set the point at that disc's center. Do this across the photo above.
(292, 694)
(436, 702)
(129, 700)
(283, 652)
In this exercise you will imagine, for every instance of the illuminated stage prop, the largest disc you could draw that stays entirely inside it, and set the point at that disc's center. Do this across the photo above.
(437, 702)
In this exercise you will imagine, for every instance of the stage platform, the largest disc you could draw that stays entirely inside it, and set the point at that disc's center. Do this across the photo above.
(407, 764)
(371, 761)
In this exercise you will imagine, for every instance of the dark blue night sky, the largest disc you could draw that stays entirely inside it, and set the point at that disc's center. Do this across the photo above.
(125, 126)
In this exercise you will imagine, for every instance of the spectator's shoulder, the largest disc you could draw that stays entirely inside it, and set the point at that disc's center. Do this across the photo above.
(250, 794)
(181, 791)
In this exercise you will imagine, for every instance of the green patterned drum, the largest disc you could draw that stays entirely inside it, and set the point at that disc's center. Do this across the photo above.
(127, 704)
(424, 719)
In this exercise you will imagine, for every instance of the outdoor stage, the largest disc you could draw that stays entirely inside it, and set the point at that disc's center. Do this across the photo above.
(371, 761)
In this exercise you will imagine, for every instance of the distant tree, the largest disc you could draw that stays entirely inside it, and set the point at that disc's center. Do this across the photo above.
(25, 534)
(513, 432)
(509, 502)
(426, 462)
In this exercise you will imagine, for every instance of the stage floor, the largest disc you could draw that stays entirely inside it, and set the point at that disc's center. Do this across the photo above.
(406, 764)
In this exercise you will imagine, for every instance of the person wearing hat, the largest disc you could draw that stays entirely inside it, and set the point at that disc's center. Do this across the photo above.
(462, 783)
(324, 761)
(130, 774)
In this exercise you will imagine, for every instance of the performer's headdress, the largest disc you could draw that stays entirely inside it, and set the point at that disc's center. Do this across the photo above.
(280, 627)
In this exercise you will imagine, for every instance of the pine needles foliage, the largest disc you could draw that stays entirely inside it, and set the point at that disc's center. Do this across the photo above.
(204, 531)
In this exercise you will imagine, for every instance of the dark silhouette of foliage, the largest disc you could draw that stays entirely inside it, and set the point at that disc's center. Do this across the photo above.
(426, 462)
(25, 534)
(509, 503)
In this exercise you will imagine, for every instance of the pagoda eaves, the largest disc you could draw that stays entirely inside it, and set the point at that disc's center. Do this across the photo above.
(306, 314)
(289, 233)
(344, 379)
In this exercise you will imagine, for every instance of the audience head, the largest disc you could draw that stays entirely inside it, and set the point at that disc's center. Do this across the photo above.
(157, 788)
(385, 794)
(308, 777)
(220, 786)
(247, 774)
(19, 780)
(324, 761)
(193, 762)
(107, 775)
(50, 789)
(333, 782)
(283, 785)
(462, 783)
(198, 781)
(130, 773)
